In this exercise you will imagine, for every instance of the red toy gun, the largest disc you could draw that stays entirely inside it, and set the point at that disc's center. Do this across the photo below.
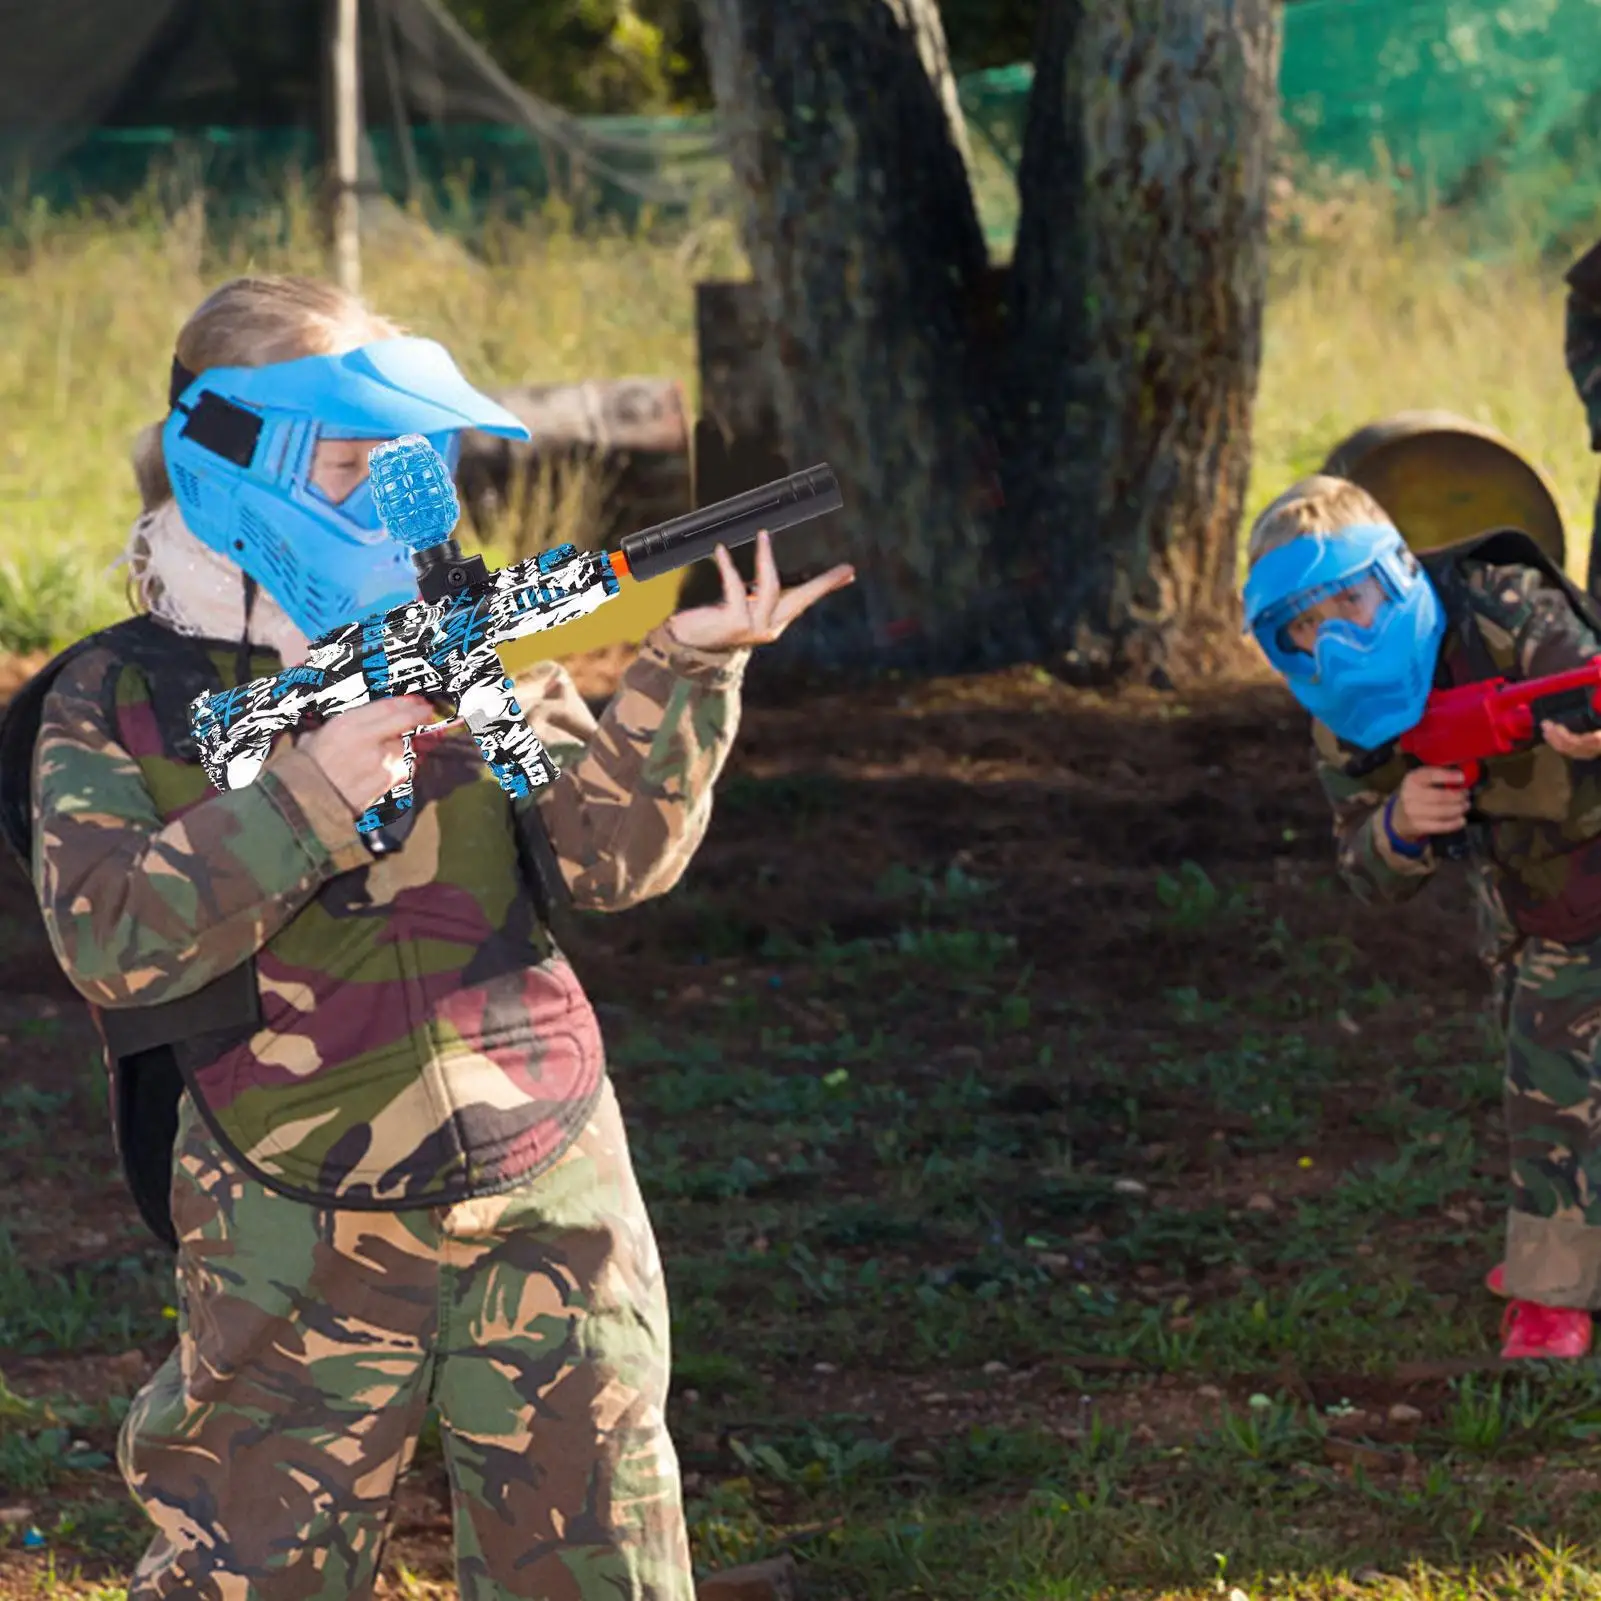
(1464, 728)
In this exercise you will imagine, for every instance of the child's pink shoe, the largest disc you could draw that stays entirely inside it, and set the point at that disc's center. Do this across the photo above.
(1495, 1279)
(1550, 1333)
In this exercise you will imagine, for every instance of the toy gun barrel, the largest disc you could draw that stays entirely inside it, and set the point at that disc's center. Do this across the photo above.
(731, 522)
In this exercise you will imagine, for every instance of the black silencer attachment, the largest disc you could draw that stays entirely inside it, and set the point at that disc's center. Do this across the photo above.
(735, 521)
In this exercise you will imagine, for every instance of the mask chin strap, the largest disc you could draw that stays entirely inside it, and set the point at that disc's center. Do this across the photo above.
(179, 381)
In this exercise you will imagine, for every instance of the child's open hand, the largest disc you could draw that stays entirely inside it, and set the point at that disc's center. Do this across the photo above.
(1576, 747)
(759, 616)
(1431, 800)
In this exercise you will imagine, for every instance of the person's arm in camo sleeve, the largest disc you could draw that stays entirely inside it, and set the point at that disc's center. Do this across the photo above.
(1373, 861)
(140, 912)
(635, 795)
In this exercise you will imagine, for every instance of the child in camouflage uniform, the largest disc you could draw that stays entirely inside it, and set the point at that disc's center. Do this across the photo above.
(1362, 633)
(402, 1182)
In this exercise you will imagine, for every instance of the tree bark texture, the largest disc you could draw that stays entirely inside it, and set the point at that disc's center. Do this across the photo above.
(866, 246)
(1180, 99)
(1046, 464)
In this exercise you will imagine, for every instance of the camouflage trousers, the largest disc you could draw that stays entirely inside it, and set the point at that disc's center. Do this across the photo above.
(269, 1448)
(1550, 1006)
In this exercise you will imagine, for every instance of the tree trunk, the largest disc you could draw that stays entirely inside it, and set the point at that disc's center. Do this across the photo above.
(866, 248)
(1050, 465)
(1181, 102)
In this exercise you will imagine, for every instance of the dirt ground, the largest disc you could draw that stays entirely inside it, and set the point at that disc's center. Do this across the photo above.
(1076, 804)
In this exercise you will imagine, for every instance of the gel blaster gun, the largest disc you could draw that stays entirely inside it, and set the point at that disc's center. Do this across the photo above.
(1466, 727)
(443, 644)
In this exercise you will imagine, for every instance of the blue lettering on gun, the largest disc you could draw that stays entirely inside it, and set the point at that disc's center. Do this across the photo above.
(376, 672)
(461, 631)
(550, 560)
(227, 705)
(512, 779)
(295, 676)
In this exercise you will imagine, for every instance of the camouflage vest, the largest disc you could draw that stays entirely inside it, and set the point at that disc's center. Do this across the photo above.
(411, 1038)
(1541, 832)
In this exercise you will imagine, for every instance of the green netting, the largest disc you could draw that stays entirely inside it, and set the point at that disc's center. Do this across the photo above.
(457, 171)
(1493, 110)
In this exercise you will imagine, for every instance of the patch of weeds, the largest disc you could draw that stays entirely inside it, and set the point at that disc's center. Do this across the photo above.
(814, 1459)
(1422, 1178)
(1508, 1415)
(1192, 903)
(1268, 1432)
(1189, 1006)
(115, 1305)
(858, 1223)
(49, 598)
(108, 1529)
(713, 1376)
(801, 797)
(987, 1458)
(958, 952)
(927, 893)
(34, 1462)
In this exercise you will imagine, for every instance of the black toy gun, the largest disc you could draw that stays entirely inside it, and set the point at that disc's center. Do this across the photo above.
(443, 644)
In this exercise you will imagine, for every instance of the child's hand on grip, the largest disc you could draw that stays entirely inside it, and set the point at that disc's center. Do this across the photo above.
(1431, 800)
(1576, 747)
(361, 750)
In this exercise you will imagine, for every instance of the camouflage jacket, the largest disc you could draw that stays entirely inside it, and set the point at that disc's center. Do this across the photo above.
(1536, 861)
(421, 1039)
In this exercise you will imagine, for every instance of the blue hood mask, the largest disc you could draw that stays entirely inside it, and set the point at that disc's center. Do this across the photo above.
(239, 446)
(1367, 685)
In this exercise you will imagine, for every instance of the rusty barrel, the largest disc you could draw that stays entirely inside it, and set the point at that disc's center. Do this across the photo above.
(1443, 478)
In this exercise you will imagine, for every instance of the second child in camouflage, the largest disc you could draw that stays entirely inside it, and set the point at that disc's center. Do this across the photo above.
(1363, 632)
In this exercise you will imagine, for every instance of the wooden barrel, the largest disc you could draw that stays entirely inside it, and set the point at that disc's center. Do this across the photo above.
(1443, 478)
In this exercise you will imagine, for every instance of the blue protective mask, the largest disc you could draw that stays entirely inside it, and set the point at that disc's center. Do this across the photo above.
(1367, 685)
(239, 448)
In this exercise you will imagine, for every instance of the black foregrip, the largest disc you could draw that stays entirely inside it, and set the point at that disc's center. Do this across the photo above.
(735, 521)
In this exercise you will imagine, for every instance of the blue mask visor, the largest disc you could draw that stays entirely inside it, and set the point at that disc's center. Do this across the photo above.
(240, 447)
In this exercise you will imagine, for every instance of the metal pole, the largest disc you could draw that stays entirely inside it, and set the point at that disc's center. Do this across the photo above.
(346, 83)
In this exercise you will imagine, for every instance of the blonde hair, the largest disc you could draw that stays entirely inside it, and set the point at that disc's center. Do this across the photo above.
(253, 322)
(1316, 505)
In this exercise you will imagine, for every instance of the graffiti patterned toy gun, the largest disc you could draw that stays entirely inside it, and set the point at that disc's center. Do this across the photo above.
(443, 644)
(1464, 728)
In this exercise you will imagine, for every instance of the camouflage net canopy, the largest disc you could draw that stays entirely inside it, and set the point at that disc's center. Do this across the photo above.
(1491, 108)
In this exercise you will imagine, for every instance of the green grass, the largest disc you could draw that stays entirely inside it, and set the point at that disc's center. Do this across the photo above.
(91, 308)
(870, 1208)
(1363, 320)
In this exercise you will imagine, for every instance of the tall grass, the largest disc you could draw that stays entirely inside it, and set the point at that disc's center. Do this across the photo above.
(89, 308)
(1367, 317)
(1364, 319)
